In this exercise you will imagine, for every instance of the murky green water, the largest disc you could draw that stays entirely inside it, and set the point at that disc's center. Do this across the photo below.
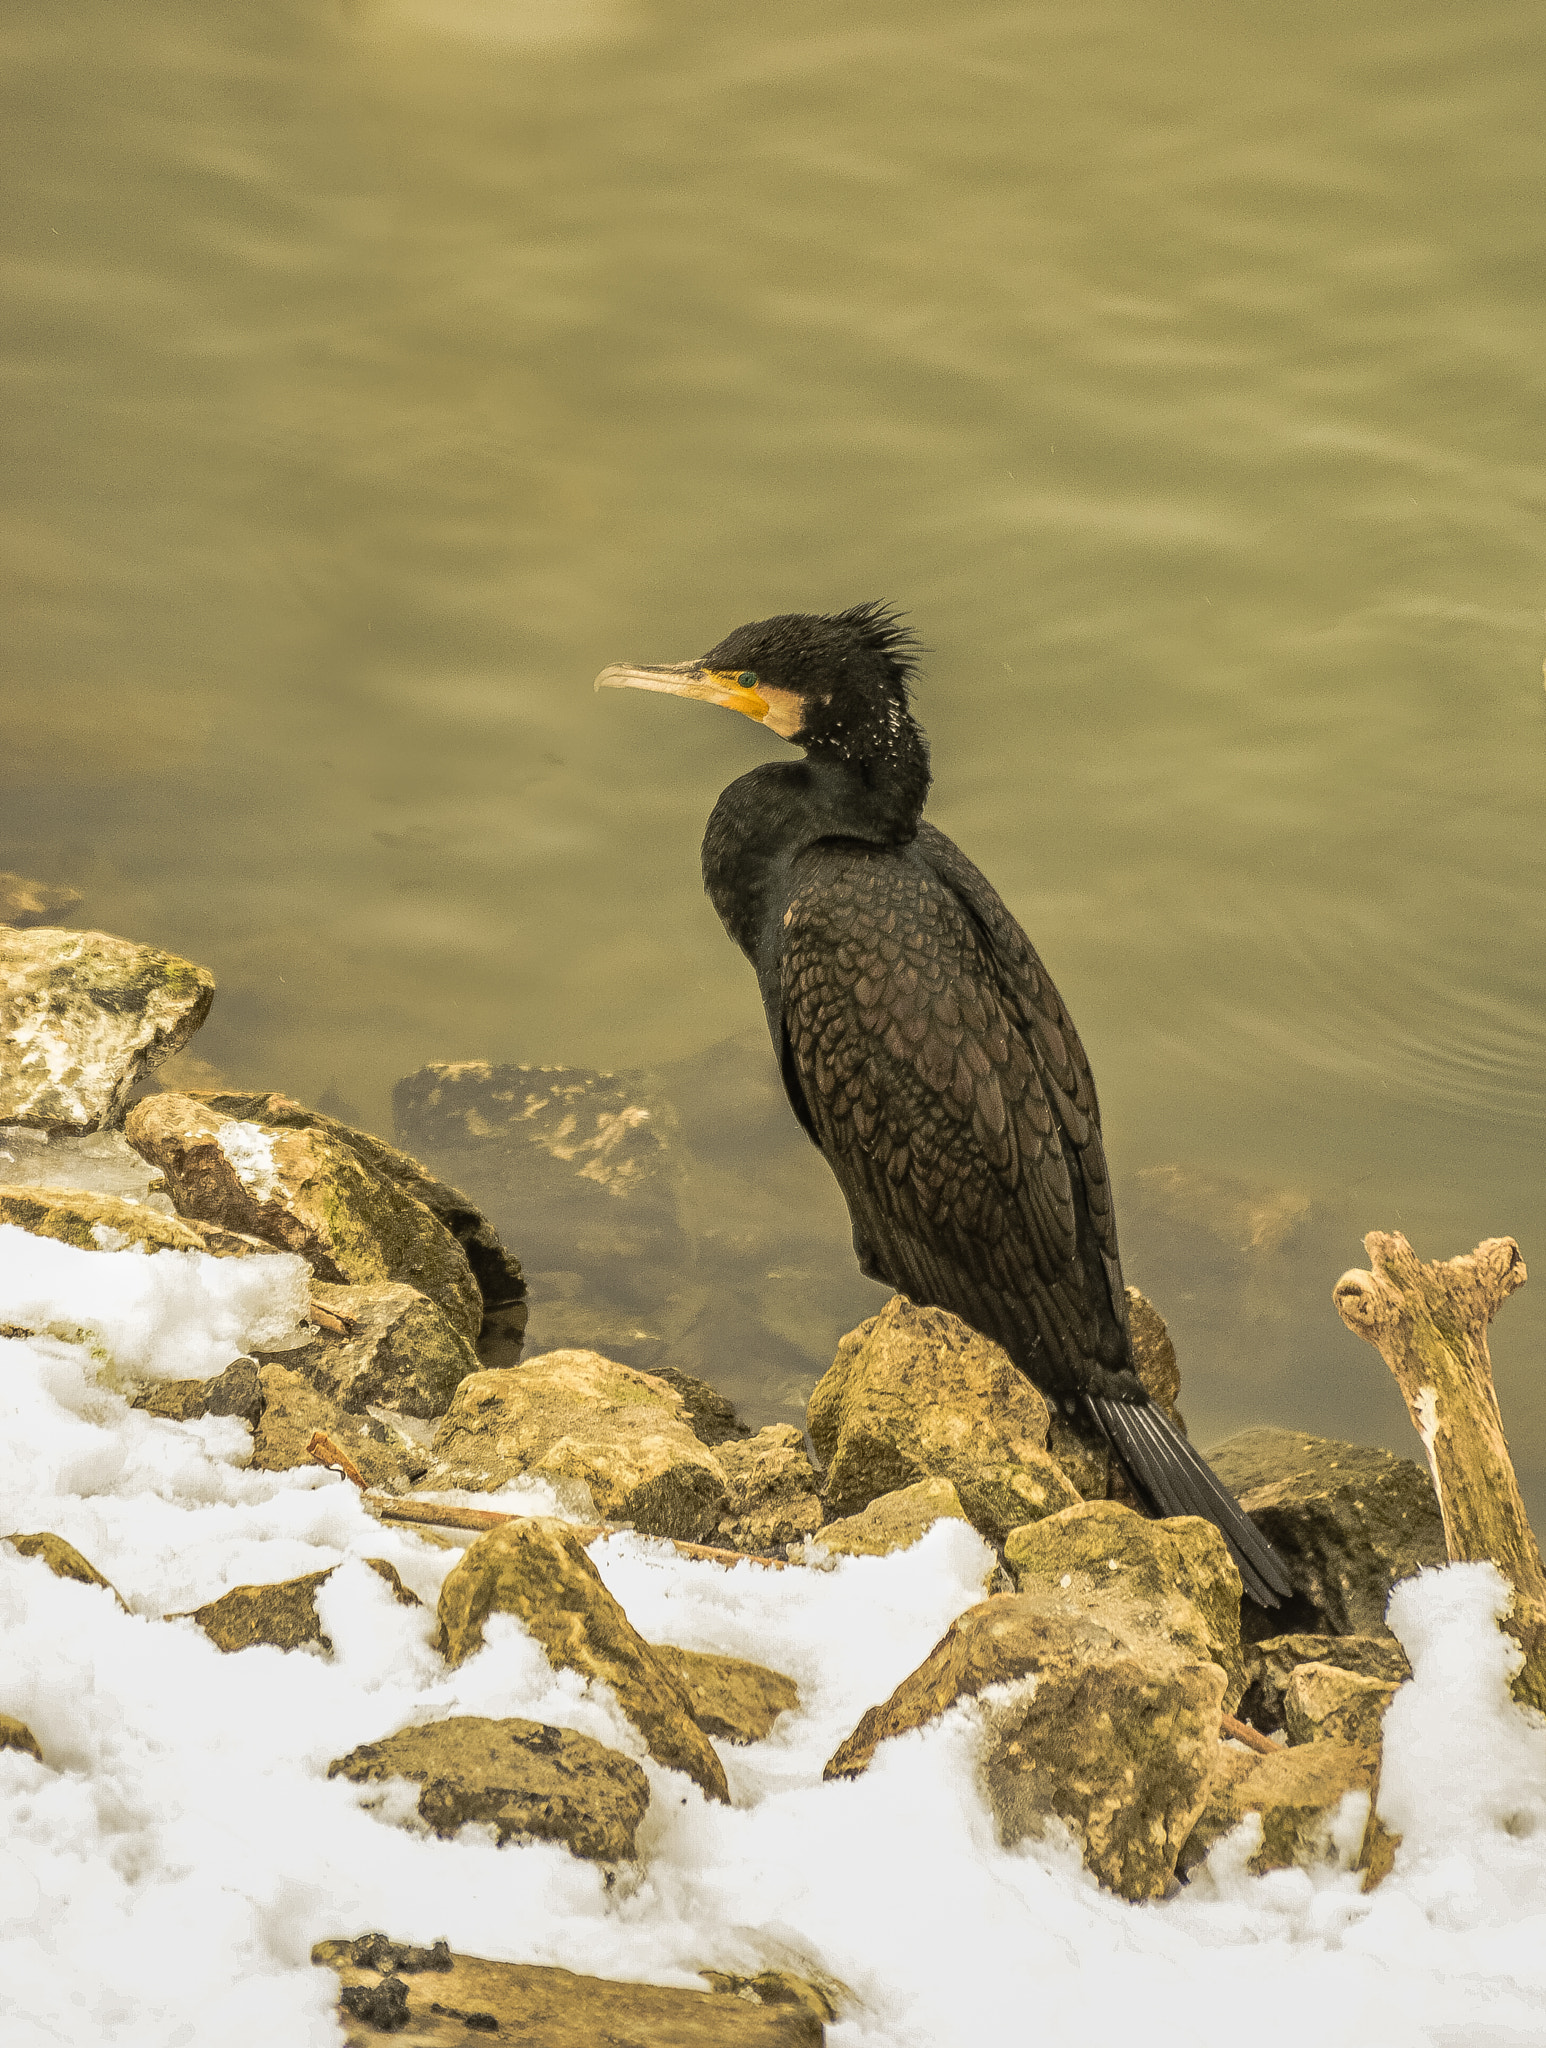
(376, 372)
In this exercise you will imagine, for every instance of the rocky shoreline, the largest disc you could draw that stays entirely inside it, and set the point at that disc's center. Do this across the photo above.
(1124, 1698)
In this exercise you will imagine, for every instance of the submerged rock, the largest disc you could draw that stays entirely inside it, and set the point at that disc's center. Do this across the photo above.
(237, 1391)
(435, 2003)
(1116, 1734)
(773, 1491)
(109, 1223)
(304, 1191)
(400, 1352)
(25, 902)
(536, 1569)
(1272, 1663)
(915, 1393)
(1177, 1572)
(575, 1415)
(1324, 1704)
(84, 1016)
(1299, 1796)
(63, 1560)
(731, 1697)
(523, 1779)
(893, 1521)
(1348, 1522)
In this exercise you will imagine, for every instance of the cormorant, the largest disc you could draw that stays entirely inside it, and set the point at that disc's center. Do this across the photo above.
(922, 1043)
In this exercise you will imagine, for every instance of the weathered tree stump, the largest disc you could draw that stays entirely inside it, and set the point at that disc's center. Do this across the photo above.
(1429, 1324)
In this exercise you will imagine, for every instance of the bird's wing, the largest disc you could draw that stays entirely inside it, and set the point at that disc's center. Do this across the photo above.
(925, 1094)
(1031, 998)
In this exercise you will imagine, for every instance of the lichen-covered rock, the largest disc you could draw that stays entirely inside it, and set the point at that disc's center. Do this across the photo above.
(1299, 1795)
(111, 1223)
(773, 1490)
(574, 1415)
(525, 1780)
(16, 1734)
(710, 1417)
(304, 1191)
(1116, 1734)
(400, 1352)
(1272, 1663)
(83, 1017)
(495, 1268)
(1178, 1572)
(282, 1615)
(893, 1521)
(1347, 1521)
(237, 1391)
(63, 1560)
(25, 902)
(731, 1697)
(389, 1456)
(431, 1998)
(915, 1393)
(1324, 1704)
(536, 1569)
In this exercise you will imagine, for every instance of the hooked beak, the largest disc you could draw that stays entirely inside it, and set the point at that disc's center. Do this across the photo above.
(686, 679)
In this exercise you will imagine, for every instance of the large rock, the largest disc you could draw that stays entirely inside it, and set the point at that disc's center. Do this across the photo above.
(894, 1521)
(237, 1391)
(399, 1351)
(63, 1560)
(1178, 1573)
(25, 902)
(525, 1780)
(431, 1998)
(83, 1017)
(496, 1269)
(1272, 1663)
(575, 1415)
(304, 1191)
(110, 1223)
(773, 1491)
(1347, 1521)
(1117, 1736)
(1298, 1793)
(710, 1417)
(914, 1393)
(1324, 1704)
(731, 1697)
(386, 1450)
(537, 1570)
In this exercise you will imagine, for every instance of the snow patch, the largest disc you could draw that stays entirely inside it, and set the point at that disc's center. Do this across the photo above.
(249, 1150)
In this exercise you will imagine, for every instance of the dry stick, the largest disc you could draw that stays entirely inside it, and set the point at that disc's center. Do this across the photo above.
(1241, 1731)
(1429, 1324)
(323, 1451)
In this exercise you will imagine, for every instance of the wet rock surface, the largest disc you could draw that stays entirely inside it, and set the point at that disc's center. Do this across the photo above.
(1273, 1662)
(916, 1394)
(83, 1016)
(731, 1697)
(573, 1415)
(1117, 1736)
(1178, 1573)
(400, 1351)
(111, 1223)
(523, 1779)
(893, 1521)
(304, 1191)
(537, 1570)
(1348, 1521)
(237, 1391)
(445, 2004)
(1298, 1796)
(773, 1491)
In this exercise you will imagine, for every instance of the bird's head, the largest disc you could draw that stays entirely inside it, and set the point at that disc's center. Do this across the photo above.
(836, 686)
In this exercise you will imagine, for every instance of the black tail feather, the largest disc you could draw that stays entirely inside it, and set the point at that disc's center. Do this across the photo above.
(1175, 1480)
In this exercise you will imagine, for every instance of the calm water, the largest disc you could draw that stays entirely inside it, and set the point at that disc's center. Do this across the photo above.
(376, 372)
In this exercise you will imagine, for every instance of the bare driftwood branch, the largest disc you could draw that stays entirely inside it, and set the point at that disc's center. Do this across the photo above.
(393, 1508)
(1429, 1324)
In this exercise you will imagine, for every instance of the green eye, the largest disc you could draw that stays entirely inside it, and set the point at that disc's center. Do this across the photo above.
(747, 680)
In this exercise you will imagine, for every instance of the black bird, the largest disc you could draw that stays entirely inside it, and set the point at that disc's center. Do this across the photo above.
(923, 1045)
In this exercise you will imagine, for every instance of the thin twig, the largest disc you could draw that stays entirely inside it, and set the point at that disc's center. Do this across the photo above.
(1241, 1731)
